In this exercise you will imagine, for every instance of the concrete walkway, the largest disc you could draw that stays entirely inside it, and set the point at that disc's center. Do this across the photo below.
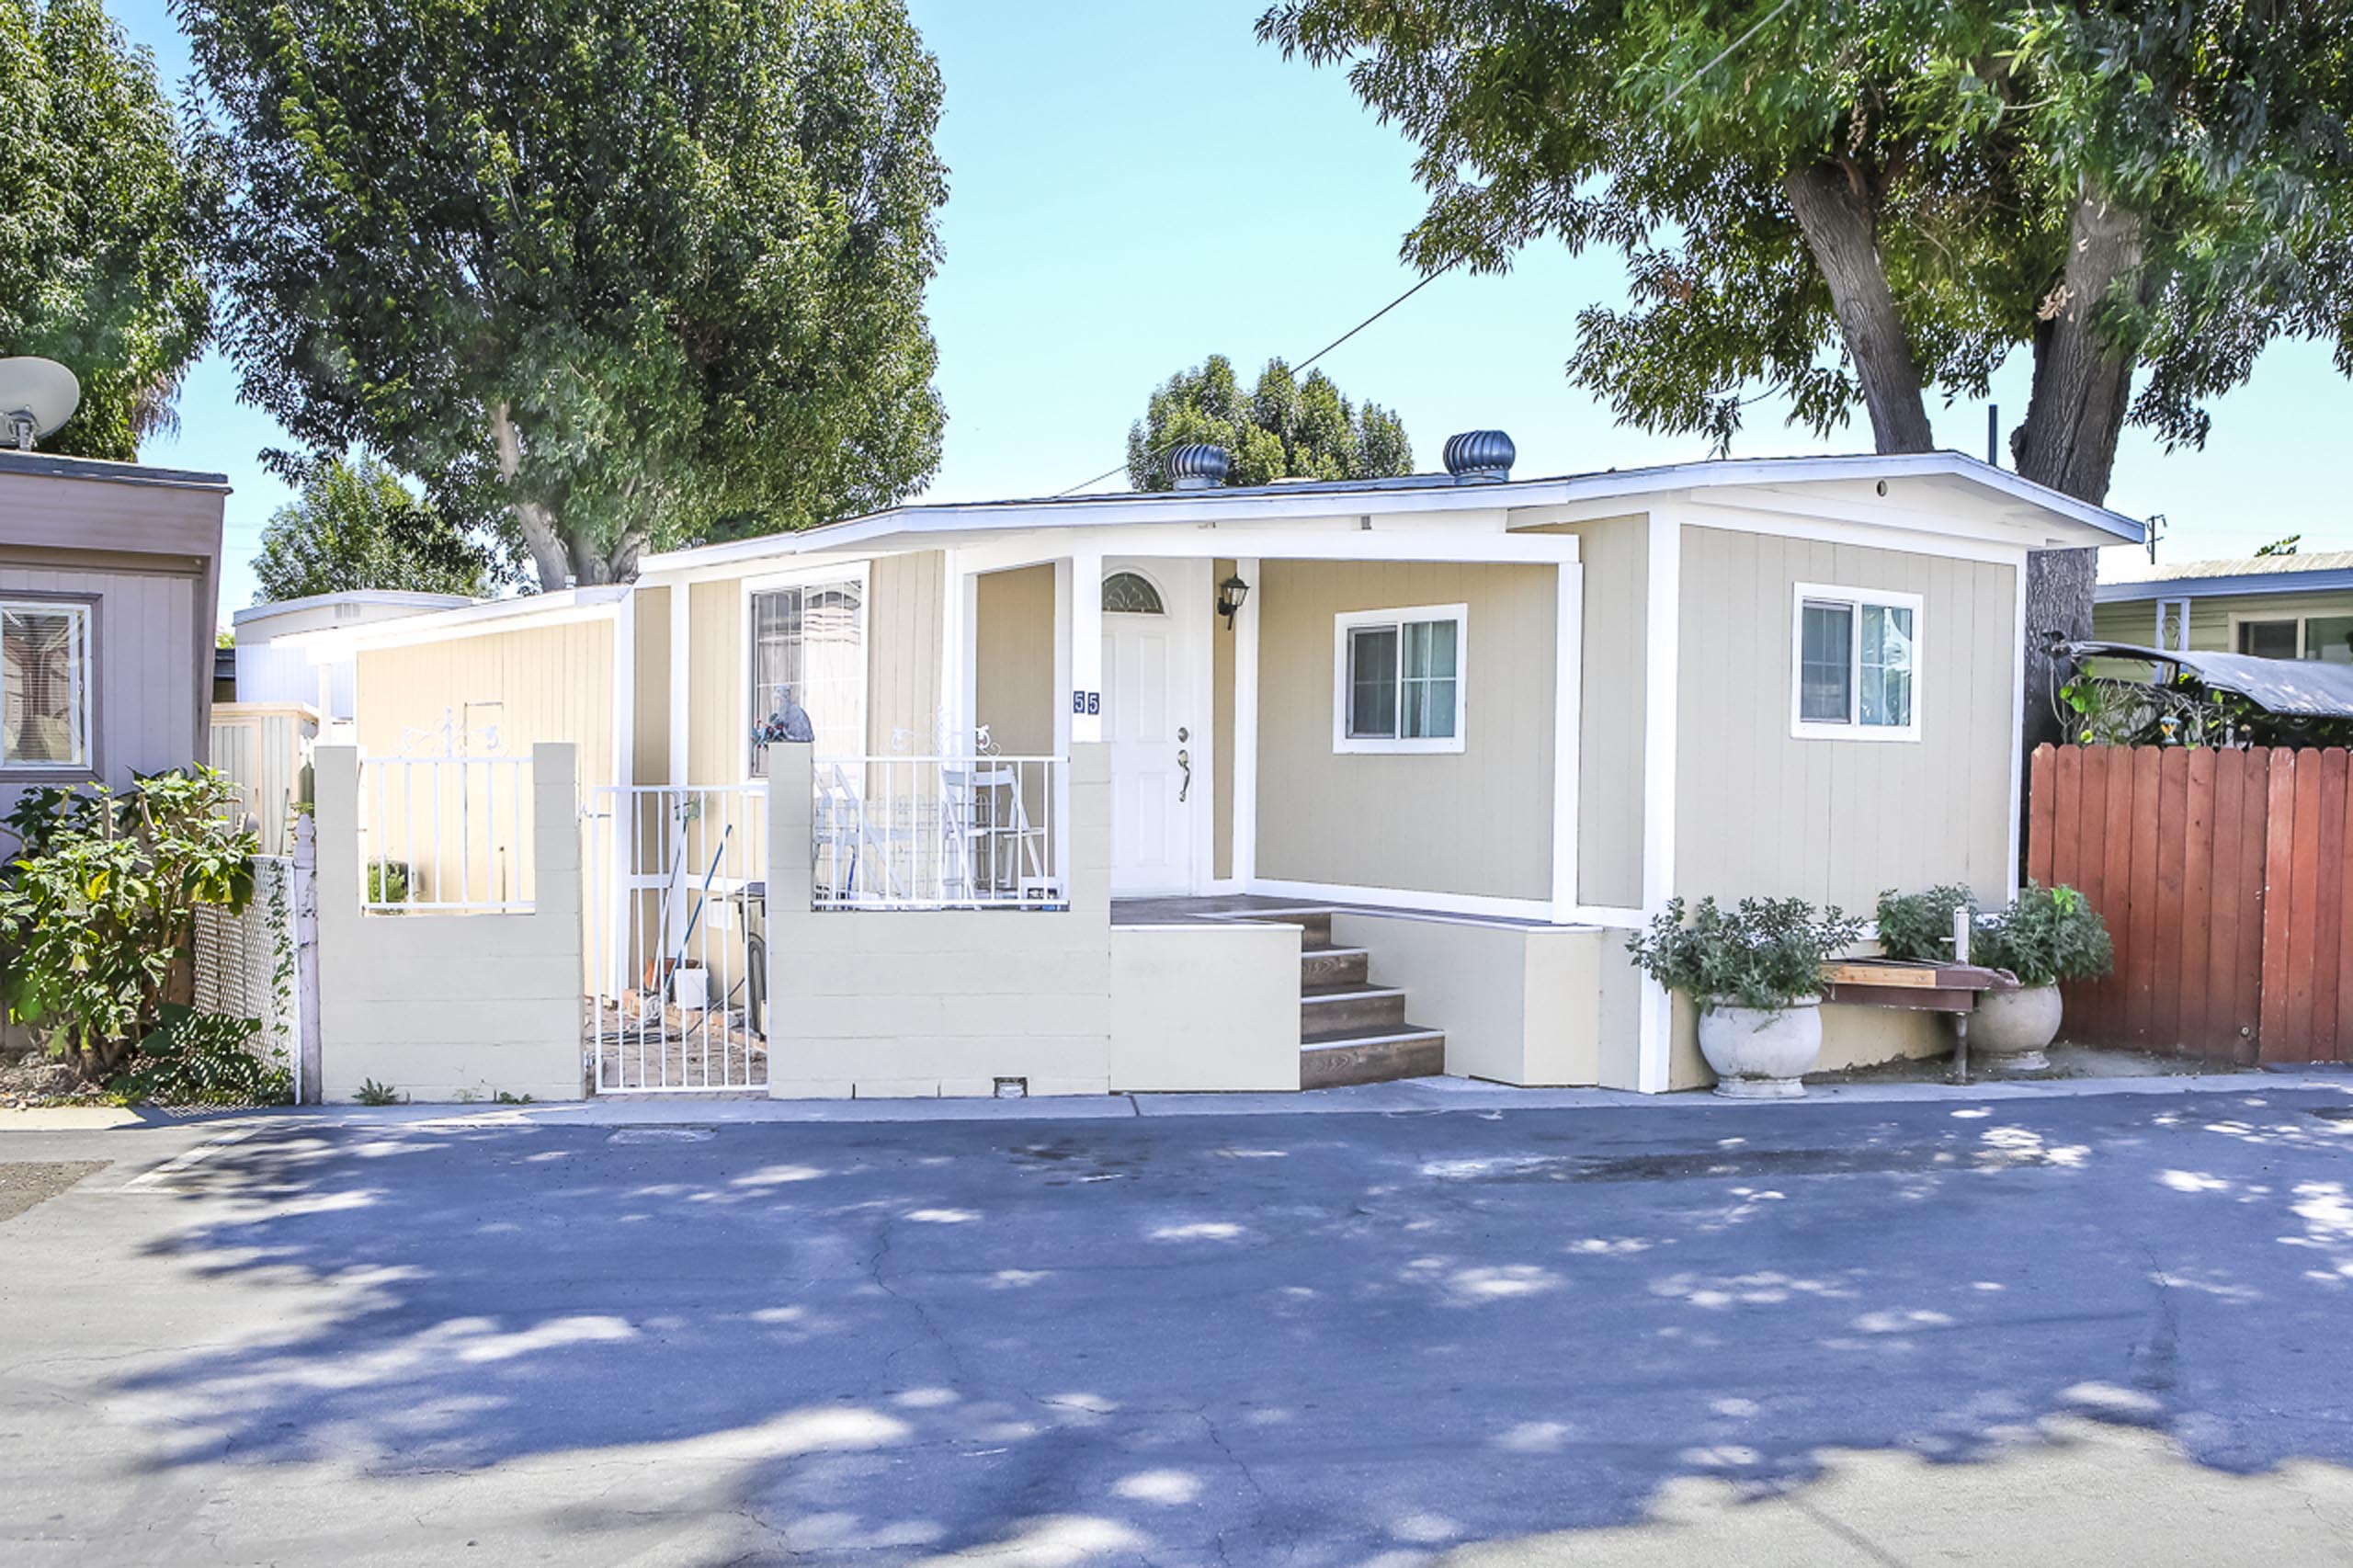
(2081, 1324)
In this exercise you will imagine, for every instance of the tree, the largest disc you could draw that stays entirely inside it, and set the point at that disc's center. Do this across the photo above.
(1285, 428)
(1853, 203)
(608, 277)
(104, 222)
(357, 525)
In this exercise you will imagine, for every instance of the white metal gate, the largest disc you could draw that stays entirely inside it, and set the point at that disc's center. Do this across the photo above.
(677, 954)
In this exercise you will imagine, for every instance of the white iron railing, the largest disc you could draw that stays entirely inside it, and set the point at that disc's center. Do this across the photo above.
(676, 944)
(445, 834)
(938, 832)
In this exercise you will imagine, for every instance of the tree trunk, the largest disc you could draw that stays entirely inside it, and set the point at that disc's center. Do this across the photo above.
(1841, 229)
(2083, 391)
(541, 535)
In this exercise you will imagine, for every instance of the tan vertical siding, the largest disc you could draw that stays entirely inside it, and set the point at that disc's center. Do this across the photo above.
(718, 727)
(1613, 710)
(1014, 672)
(1478, 823)
(904, 617)
(650, 710)
(553, 683)
(1758, 813)
(144, 706)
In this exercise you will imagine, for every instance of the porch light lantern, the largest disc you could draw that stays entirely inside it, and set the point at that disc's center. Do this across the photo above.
(1229, 595)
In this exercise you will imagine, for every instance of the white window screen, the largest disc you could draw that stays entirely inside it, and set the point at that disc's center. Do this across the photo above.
(44, 685)
(808, 651)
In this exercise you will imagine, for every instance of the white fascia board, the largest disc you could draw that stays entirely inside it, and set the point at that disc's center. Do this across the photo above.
(525, 612)
(2066, 518)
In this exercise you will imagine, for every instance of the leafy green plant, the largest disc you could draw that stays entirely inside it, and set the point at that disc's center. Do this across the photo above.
(387, 882)
(2049, 934)
(373, 1093)
(506, 1098)
(193, 1057)
(1918, 926)
(99, 905)
(1761, 953)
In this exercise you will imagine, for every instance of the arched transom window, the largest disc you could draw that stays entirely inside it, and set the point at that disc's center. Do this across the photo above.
(1130, 593)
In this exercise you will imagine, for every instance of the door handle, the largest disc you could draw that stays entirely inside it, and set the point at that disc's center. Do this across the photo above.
(1184, 761)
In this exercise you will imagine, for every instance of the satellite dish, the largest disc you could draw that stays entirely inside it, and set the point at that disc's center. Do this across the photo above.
(36, 397)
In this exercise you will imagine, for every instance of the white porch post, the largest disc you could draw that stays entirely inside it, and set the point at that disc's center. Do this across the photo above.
(1086, 647)
(1568, 718)
(958, 594)
(681, 686)
(1245, 724)
(1663, 647)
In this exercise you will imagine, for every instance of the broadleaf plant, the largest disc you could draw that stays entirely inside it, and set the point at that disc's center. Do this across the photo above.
(99, 906)
(1764, 953)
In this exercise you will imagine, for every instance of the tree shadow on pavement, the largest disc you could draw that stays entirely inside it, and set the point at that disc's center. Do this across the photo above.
(1314, 1339)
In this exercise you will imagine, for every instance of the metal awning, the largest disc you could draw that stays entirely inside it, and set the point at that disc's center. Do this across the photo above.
(2306, 688)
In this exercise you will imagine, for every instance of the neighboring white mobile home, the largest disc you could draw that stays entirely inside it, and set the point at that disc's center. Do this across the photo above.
(1493, 724)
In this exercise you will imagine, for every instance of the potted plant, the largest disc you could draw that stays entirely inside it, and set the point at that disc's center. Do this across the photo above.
(1754, 971)
(2048, 936)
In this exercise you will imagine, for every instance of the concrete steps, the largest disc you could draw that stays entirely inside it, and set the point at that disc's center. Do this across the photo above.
(1352, 1030)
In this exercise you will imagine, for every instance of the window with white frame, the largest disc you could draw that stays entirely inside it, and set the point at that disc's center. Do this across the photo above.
(1398, 679)
(808, 674)
(1857, 665)
(44, 684)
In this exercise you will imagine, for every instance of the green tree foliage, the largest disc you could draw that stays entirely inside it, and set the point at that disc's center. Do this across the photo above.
(357, 525)
(1869, 199)
(1282, 428)
(610, 277)
(104, 220)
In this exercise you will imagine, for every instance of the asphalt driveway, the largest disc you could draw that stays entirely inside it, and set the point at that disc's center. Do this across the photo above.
(1521, 1335)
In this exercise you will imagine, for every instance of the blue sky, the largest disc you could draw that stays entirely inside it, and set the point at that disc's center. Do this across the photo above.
(1135, 187)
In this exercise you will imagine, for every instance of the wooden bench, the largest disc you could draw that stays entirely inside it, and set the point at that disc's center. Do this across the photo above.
(1917, 986)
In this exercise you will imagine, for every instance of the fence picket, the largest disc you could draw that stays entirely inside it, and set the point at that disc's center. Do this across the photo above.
(2193, 1027)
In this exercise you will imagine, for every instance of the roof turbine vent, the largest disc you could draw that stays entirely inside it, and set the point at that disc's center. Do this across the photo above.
(1197, 466)
(1479, 457)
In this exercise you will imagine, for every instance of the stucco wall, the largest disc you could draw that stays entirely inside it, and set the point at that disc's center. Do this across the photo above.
(442, 1005)
(1851, 1036)
(1760, 813)
(938, 1001)
(1519, 1003)
(535, 684)
(1476, 824)
(1208, 1005)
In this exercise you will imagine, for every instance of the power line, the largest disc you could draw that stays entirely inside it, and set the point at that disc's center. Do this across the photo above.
(1429, 277)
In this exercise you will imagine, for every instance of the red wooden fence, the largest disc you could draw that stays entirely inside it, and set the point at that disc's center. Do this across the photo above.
(2223, 878)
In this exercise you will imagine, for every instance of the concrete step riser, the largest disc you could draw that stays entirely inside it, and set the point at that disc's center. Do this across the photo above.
(1352, 1015)
(1339, 967)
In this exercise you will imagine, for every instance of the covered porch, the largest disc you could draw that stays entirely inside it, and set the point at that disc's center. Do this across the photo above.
(1318, 711)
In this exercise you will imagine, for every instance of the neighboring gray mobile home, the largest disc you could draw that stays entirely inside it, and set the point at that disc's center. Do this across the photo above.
(1480, 727)
(109, 579)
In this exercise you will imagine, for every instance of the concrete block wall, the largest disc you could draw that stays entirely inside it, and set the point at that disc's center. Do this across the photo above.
(445, 1007)
(875, 1003)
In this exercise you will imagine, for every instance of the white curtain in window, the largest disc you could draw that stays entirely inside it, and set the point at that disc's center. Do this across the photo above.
(44, 718)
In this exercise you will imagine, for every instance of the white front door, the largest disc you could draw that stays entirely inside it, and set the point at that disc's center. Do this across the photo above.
(1157, 774)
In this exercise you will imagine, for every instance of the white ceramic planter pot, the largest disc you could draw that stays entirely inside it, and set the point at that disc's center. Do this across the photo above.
(2011, 1029)
(1760, 1053)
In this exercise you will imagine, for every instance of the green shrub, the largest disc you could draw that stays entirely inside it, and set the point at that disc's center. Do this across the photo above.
(387, 882)
(373, 1093)
(194, 1058)
(99, 903)
(1761, 953)
(1918, 926)
(2050, 934)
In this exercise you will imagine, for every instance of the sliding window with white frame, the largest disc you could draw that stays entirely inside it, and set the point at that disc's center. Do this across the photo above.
(1855, 662)
(1399, 679)
(806, 642)
(45, 686)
